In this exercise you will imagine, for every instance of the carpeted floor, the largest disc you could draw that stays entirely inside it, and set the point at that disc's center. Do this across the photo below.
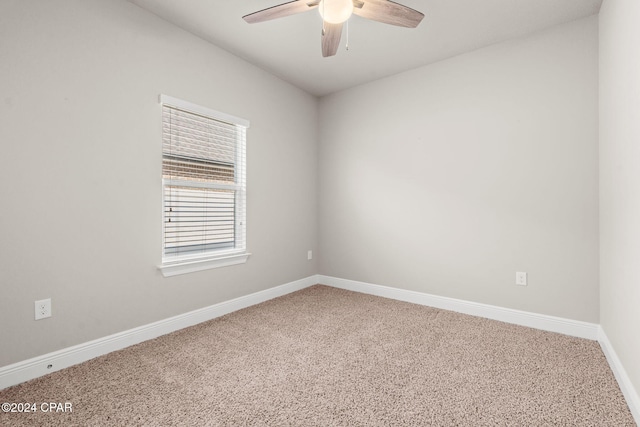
(328, 357)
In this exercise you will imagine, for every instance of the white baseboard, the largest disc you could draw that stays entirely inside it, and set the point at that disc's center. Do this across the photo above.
(574, 328)
(51, 362)
(627, 388)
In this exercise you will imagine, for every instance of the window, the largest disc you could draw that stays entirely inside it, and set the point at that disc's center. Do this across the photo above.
(203, 181)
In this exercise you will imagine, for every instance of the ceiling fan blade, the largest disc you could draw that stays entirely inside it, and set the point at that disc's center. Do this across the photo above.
(388, 12)
(280, 11)
(331, 38)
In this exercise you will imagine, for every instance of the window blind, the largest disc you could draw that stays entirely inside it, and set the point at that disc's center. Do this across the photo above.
(203, 172)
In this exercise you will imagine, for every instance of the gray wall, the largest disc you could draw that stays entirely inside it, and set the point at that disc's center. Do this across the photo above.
(81, 171)
(450, 178)
(620, 180)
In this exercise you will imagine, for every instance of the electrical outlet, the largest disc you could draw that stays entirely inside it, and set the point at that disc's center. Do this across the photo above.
(309, 255)
(43, 308)
(521, 279)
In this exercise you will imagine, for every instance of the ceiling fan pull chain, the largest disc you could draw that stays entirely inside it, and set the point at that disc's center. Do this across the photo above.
(347, 34)
(323, 12)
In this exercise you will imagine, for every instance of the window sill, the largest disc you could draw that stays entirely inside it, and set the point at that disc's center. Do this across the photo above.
(174, 268)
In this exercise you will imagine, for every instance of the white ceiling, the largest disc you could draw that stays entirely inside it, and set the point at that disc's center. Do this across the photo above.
(290, 47)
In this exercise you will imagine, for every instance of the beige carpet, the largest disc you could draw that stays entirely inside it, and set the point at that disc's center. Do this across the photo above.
(328, 357)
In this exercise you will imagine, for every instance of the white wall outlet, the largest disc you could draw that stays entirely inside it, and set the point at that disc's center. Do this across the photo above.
(521, 278)
(309, 255)
(43, 308)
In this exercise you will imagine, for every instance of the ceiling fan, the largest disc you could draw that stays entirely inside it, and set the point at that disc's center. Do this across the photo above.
(336, 12)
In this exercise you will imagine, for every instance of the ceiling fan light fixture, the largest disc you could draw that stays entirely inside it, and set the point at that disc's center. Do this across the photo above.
(335, 11)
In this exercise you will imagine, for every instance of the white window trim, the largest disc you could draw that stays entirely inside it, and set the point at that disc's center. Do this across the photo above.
(198, 109)
(189, 264)
(177, 267)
